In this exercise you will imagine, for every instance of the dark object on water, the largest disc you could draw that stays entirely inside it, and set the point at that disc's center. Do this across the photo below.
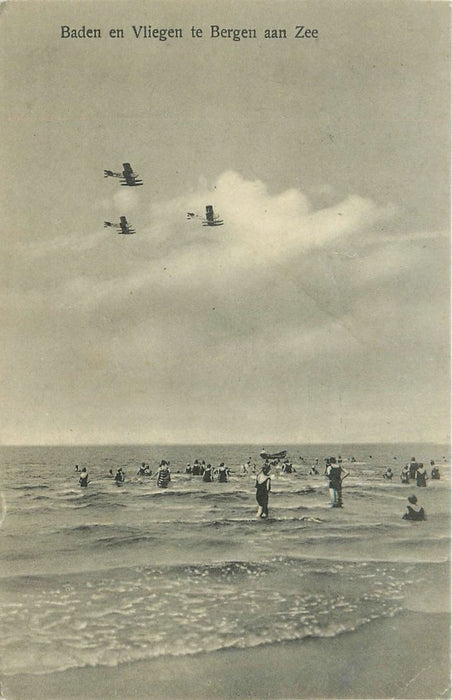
(414, 466)
(144, 470)
(119, 477)
(163, 476)
(421, 476)
(405, 475)
(263, 488)
(208, 475)
(222, 474)
(413, 510)
(274, 455)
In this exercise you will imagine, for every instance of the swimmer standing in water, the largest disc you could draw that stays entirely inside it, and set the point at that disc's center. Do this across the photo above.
(405, 475)
(120, 477)
(207, 477)
(263, 488)
(163, 474)
(421, 476)
(222, 473)
(336, 475)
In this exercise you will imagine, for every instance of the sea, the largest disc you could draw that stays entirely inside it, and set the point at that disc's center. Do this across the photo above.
(108, 575)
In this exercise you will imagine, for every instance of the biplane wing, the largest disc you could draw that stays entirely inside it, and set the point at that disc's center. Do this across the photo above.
(211, 219)
(129, 178)
(124, 226)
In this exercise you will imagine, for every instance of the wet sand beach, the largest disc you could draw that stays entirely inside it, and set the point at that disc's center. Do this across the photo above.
(406, 656)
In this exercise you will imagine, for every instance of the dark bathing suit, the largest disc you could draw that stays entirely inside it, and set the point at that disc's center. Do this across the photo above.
(413, 469)
(335, 482)
(334, 477)
(163, 478)
(421, 477)
(414, 514)
(262, 494)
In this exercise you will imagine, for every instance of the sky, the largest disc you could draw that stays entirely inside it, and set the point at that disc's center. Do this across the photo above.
(319, 312)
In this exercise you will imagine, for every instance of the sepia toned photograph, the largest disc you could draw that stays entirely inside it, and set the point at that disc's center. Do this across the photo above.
(225, 356)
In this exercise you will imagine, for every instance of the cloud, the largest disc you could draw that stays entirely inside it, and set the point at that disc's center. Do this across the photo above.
(126, 200)
(262, 228)
(282, 300)
(276, 259)
(51, 248)
(270, 264)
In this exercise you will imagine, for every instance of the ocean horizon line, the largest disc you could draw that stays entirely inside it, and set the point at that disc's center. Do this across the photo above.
(247, 444)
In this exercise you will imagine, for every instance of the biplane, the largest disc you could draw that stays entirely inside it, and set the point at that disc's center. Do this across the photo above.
(122, 227)
(211, 219)
(128, 177)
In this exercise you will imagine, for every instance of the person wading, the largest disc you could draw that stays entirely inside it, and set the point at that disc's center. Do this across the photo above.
(263, 488)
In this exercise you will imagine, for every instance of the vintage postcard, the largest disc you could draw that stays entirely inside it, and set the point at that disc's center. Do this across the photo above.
(225, 439)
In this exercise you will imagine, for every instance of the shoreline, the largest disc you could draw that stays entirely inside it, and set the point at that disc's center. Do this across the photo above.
(406, 656)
